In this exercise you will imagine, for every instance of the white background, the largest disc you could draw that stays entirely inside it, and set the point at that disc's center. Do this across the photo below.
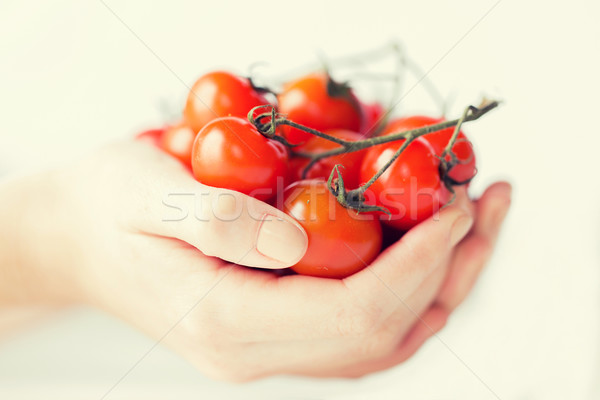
(72, 76)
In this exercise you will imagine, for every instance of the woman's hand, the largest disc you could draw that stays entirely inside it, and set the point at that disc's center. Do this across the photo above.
(122, 230)
(463, 266)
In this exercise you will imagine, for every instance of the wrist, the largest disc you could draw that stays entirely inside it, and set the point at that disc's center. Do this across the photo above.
(34, 261)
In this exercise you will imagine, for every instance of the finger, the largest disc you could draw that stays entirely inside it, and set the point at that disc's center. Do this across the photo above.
(303, 308)
(297, 308)
(362, 308)
(322, 333)
(474, 252)
(409, 310)
(462, 200)
(427, 326)
(291, 308)
(247, 305)
(402, 267)
(224, 223)
(349, 359)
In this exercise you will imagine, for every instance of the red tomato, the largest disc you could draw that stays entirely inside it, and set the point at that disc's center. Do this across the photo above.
(151, 135)
(463, 148)
(409, 123)
(220, 94)
(351, 161)
(319, 103)
(340, 241)
(230, 153)
(177, 141)
(373, 117)
(411, 188)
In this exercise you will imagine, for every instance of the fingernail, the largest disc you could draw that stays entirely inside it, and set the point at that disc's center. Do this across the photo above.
(460, 228)
(281, 240)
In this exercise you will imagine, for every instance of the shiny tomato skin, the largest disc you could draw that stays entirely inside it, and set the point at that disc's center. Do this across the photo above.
(411, 189)
(463, 148)
(340, 241)
(351, 162)
(230, 153)
(308, 102)
(220, 94)
(177, 141)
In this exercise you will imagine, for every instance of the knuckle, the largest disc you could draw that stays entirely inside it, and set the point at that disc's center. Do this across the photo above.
(376, 346)
(213, 315)
(205, 232)
(216, 216)
(203, 320)
(226, 206)
(356, 321)
(205, 244)
(195, 327)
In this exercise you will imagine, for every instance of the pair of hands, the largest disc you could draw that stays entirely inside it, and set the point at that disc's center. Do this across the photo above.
(108, 232)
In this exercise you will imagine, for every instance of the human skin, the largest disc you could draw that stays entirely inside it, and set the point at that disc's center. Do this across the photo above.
(107, 232)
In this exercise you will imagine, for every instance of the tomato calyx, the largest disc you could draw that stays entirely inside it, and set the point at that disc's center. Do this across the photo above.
(266, 123)
(338, 89)
(353, 199)
(343, 90)
(447, 164)
(449, 159)
(258, 88)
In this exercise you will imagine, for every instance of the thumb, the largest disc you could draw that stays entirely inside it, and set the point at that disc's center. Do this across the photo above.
(219, 222)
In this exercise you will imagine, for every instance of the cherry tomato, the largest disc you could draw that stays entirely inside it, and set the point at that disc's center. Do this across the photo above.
(320, 103)
(409, 123)
(230, 153)
(177, 141)
(220, 94)
(373, 117)
(351, 162)
(151, 135)
(340, 241)
(411, 188)
(465, 169)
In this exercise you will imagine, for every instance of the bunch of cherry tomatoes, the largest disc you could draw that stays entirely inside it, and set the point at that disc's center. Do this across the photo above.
(238, 136)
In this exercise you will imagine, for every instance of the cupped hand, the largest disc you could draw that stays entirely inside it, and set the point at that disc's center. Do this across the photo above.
(134, 234)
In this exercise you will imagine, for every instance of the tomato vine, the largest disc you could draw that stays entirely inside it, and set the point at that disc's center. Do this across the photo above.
(269, 120)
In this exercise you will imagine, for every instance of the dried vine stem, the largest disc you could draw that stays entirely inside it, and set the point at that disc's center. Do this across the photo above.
(267, 123)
